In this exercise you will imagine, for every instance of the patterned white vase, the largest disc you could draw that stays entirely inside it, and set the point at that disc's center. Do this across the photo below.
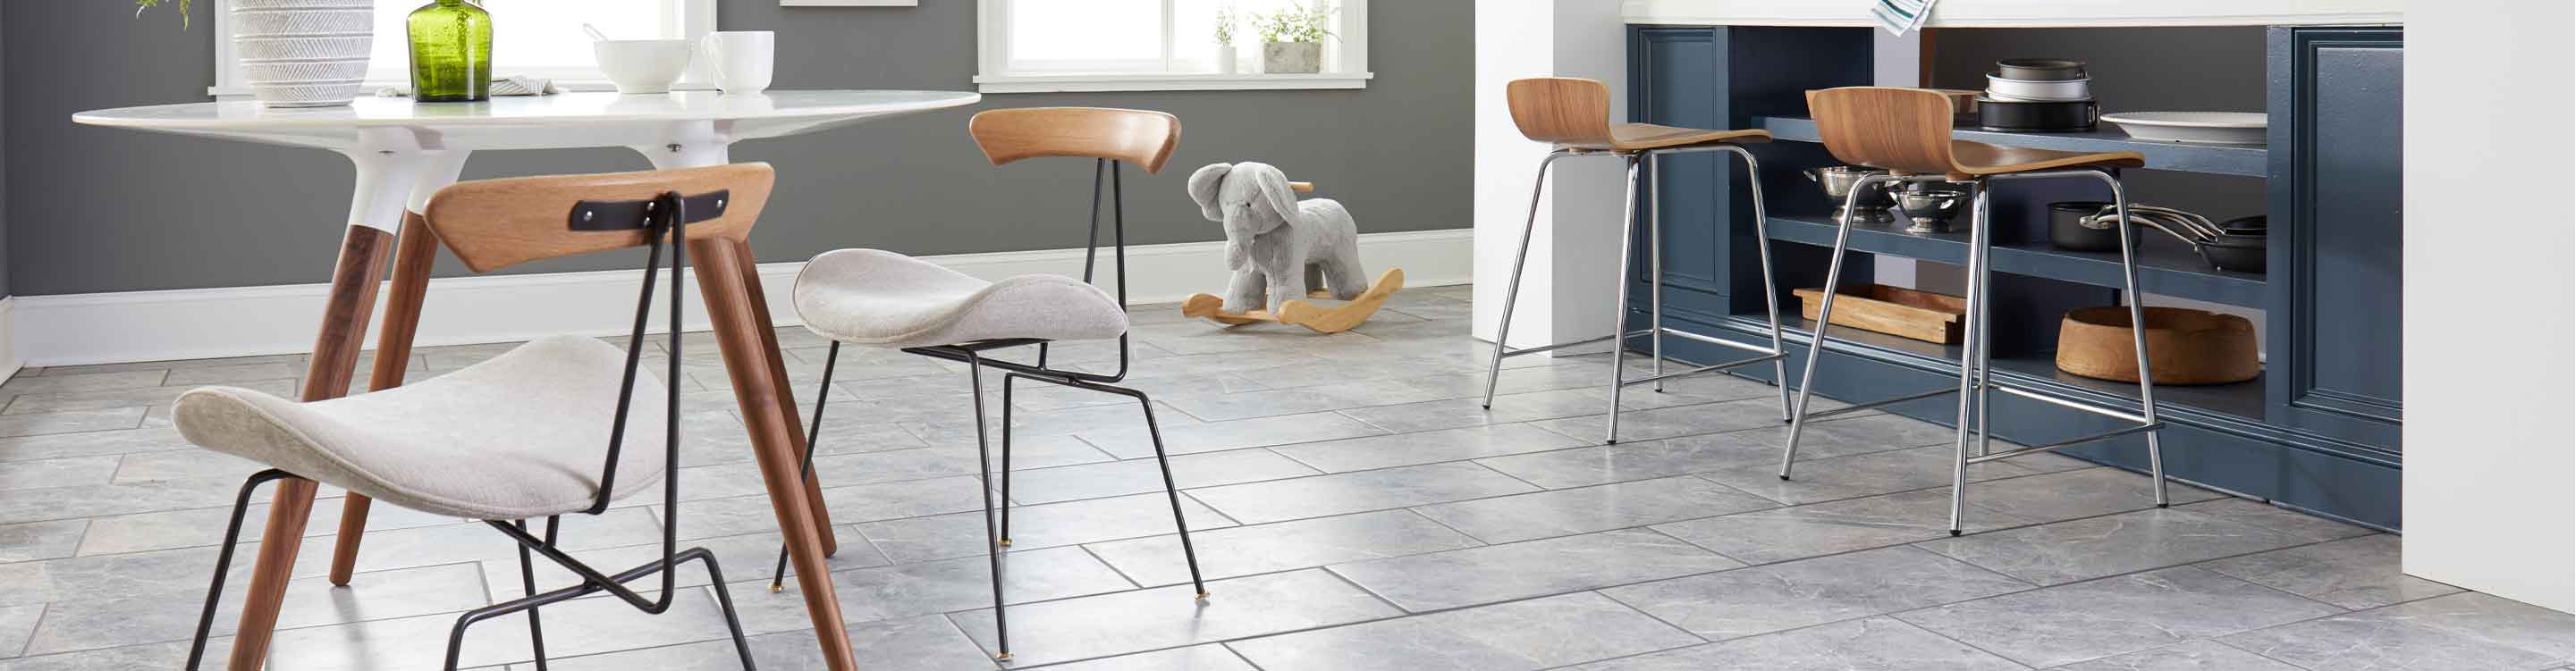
(304, 53)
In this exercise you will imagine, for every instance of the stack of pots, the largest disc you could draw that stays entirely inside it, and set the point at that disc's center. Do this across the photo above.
(2038, 94)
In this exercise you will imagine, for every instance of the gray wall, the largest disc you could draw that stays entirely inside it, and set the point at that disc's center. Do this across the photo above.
(2137, 70)
(126, 211)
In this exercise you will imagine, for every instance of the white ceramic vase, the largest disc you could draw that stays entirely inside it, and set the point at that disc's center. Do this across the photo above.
(1225, 59)
(303, 53)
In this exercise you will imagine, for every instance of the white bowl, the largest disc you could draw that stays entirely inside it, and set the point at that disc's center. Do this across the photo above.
(2037, 90)
(2208, 127)
(643, 66)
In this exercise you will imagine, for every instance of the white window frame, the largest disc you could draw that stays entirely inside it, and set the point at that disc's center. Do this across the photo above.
(698, 18)
(1346, 53)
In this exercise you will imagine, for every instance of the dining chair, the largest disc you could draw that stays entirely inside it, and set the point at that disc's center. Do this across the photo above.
(1906, 132)
(537, 432)
(882, 299)
(1573, 117)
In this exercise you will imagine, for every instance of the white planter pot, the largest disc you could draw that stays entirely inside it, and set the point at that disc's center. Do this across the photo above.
(303, 53)
(1225, 59)
(1292, 57)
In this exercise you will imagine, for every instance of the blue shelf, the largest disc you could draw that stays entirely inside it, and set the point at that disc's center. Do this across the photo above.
(2216, 159)
(2165, 267)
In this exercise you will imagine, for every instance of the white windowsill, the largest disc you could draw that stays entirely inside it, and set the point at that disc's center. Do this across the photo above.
(1169, 82)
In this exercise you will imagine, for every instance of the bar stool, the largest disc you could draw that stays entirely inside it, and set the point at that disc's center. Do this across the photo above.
(882, 299)
(535, 432)
(1574, 115)
(1907, 132)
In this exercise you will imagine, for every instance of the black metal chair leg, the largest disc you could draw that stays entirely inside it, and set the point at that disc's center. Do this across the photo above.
(224, 562)
(528, 587)
(1155, 430)
(724, 601)
(1006, 457)
(992, 538)
(813, 436)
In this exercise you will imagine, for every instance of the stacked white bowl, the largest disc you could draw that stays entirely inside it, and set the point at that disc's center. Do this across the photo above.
(303, 53)
(2039, 80)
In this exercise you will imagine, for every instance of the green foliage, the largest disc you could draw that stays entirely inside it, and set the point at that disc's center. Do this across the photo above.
(1297, 23)
(1225, 22)
(184, 6)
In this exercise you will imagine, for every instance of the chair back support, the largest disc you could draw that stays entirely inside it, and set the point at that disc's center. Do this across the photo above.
(498, 223)
(1141, 137)
(1561, 110)
(1899, 129)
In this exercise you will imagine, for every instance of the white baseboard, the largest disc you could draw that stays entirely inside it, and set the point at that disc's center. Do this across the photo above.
(72, 329)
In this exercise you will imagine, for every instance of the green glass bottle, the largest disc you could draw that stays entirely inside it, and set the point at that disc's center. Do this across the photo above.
(451, 52)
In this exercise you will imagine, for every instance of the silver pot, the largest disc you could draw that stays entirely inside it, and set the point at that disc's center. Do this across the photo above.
(1873, 206)
(1931, 209)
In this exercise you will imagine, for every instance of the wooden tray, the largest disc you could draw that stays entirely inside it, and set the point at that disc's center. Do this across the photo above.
(2186, 346)
(1896, 311)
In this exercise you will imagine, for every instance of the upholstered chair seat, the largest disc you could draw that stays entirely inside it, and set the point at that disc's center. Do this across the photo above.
(519, 436)
(884, 299)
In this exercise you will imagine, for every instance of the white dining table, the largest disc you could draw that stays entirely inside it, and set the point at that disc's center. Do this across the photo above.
(403, 153)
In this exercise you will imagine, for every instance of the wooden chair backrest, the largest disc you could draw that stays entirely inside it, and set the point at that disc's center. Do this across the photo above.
(1142, 137)
(1561, 110)
(1900, 129)
(498, 223)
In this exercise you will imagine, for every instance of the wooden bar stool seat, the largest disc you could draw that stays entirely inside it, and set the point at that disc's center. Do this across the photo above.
(1907, 133)
(1574, 116)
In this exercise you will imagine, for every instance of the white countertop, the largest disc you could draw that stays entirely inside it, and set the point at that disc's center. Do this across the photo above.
(2023, 13)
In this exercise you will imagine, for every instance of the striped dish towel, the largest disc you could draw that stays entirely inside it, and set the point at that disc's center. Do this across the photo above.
(1901, 16)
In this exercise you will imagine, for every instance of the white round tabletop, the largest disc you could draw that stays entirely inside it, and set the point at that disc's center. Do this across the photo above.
(598, 119)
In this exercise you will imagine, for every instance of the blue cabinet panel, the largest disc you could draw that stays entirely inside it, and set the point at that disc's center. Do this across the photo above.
(2337, 208)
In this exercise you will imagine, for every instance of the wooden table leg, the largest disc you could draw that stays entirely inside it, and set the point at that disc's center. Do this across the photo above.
(335, 355)
(778, 375)
(727, 282)
(416, 252)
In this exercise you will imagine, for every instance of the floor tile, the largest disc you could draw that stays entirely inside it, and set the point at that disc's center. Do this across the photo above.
(17, 626)
(1168, 617)
(1133, 443)
(2115, 616)
(1634, 460)
(1362, 491)
(1210, 657)
(70, 421)
(926, 643)
(231, 374)
(40, 540)
(1462, 412)
(2276, 518)
(1137, 476)
(1873, 644)
(184, 465)
(154, 656)
(2461, 632)
(1807, 592)
(1688, 420)
(66, 472)
(932, 588)
(2357, 573)
(1562, 512)
(53, 503)
(1855, 476)
(1798, 532)
(84, 625)
(742, 558)
(1039, 526)
(1406, 449)
(2071, 494)
(2200, 655)
(2064, 552)
(1281, 546)
(26, 448)
(579, 627)
(1534, 568)
(1275, 402)
(1518, 636)
(55, 384)
(109, 399)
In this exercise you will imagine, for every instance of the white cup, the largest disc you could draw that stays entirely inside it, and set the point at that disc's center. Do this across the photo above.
(742, 59)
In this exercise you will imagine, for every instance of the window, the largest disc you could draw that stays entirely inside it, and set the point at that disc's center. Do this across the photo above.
(534, 38)
(1152, 45)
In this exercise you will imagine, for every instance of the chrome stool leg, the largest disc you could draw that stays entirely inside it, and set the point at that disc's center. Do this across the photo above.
(1619, 315)
(1770, 286)
(1972, 396)
(2138, 336)
(1655, 261)
(1512, 290)
(1824, 316)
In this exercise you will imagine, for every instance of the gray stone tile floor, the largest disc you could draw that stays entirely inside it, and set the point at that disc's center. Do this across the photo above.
(1356, 509)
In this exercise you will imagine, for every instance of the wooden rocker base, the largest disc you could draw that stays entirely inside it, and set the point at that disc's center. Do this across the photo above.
(1302, 313)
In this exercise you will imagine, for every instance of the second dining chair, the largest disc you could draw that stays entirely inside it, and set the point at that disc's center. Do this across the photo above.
(537, 432)
(882, 299)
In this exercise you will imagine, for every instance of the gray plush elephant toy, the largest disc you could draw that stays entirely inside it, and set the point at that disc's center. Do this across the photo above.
(1271, 237)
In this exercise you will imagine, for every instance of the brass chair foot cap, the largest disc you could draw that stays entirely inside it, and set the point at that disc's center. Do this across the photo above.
(1203, 596)
(1006, 542)
(1003, 656)
(777, 588)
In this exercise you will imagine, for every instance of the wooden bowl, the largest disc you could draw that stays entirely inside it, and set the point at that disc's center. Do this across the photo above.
(2186, 346)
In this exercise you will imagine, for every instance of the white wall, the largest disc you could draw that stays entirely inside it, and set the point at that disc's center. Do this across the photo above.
(1578, 218)
(2490, 378)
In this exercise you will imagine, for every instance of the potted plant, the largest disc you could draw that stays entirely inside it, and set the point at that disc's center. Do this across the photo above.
(298, 53)
(1292, 39)
(1225, 52)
